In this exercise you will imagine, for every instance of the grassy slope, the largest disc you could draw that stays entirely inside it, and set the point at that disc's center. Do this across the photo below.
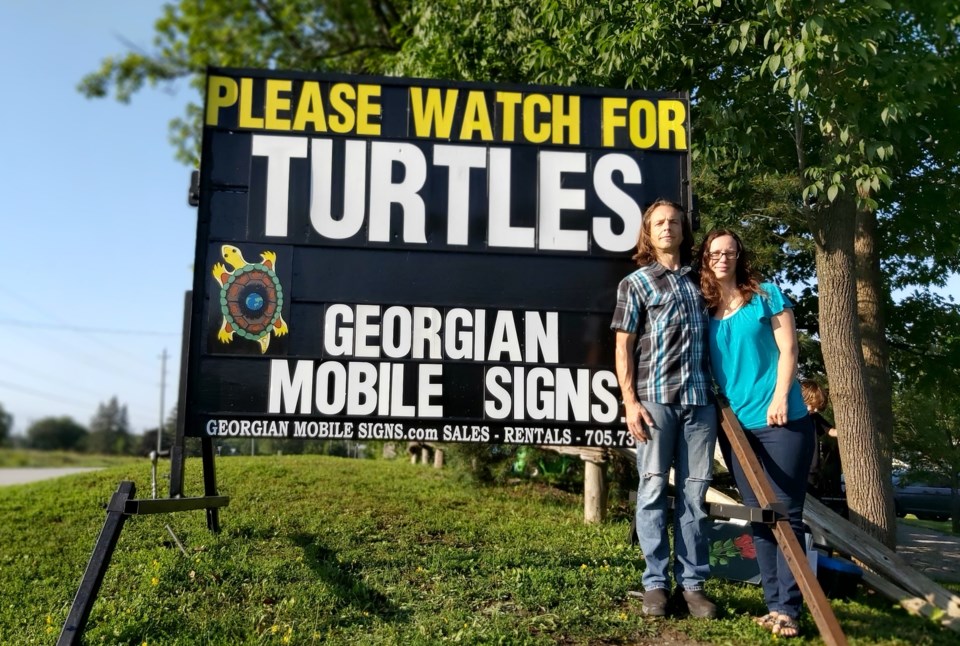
(317, 549)
(20, 458)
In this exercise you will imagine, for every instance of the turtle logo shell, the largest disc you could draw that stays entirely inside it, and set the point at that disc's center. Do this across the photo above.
(251, 297)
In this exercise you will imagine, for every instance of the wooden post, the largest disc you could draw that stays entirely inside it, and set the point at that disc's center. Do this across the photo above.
(794, 554)
(594, 491)
(438, 458)
(594, 479)
(424, 454)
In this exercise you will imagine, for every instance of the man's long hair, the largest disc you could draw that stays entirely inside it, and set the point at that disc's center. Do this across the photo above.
(646, 254)
(748, 280)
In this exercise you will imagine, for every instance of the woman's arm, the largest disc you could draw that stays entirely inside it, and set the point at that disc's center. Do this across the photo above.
(785, 334)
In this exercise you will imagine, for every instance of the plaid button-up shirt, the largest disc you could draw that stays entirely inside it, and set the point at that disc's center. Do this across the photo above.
(667, 313)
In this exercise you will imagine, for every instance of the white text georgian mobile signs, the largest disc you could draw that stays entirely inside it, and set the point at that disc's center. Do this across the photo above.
(404, 259)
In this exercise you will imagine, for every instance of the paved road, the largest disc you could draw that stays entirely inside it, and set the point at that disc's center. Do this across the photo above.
(22, 476)
(936, 555)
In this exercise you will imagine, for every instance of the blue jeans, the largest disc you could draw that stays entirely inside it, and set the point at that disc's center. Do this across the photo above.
(682, 437)
(785, 453)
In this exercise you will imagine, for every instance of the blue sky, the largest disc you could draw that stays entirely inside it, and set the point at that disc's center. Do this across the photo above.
(96, 237)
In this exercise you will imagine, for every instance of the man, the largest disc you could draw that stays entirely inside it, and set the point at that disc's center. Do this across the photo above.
(662, 366)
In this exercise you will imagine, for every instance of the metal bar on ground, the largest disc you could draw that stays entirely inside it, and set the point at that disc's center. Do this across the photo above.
(210, 482)
(97, 566)
(168, 505)
(767, 515)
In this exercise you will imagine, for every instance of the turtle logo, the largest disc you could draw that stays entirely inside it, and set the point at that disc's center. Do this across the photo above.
(251, 298)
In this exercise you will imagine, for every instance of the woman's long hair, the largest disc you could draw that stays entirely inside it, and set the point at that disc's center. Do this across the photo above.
(646, 254)
(748, 280)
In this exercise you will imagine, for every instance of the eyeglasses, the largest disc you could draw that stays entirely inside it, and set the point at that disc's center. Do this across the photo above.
(729, 255)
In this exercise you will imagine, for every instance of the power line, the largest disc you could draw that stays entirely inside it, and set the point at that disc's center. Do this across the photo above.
(63, 324)
(83, 329)
(46, 377)
(97, 362)
(43, 395)
(71, 385)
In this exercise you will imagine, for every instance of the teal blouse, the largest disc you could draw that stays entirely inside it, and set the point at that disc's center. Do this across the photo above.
(744, 355)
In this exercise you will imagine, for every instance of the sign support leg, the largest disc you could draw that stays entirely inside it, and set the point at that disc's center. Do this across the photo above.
(97, 566)
(210, 482)
(794, 554)
(177, 451)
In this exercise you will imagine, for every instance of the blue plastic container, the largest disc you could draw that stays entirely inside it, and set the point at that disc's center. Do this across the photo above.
(837, 576)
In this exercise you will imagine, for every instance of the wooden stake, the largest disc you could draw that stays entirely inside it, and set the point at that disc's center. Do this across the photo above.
(594, 491)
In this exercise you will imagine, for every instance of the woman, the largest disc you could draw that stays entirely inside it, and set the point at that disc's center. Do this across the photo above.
(753, 349)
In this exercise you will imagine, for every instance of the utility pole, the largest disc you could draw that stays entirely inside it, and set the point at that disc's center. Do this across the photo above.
(163, 388)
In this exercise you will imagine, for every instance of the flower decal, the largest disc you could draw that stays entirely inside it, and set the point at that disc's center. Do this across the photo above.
(744, 545)
(724, 551)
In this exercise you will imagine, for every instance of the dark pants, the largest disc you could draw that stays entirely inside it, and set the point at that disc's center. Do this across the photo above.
(785, 452)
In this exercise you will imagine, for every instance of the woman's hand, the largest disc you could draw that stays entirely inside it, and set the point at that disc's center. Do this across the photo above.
(777, 411)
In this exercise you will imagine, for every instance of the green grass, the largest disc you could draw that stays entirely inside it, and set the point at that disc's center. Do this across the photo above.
(942, 526)
(29, 458)
(327, 550)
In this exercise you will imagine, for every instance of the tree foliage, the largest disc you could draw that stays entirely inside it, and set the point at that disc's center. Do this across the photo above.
(311, 35)
(57, 434)
(110, 429)
(6, 425)
(928, 426)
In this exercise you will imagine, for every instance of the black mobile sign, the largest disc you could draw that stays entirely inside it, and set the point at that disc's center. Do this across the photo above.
(407, 259)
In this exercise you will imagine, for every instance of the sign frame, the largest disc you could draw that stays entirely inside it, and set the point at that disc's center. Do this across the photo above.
(233, 177)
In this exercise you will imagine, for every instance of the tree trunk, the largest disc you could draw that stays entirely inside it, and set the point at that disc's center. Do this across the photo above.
(873, 340)
(873, 326)
(833, 227)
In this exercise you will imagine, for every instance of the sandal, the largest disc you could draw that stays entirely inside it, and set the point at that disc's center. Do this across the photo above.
(768, 621)
(786, 627)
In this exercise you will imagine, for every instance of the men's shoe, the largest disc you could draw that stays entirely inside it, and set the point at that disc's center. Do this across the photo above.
(698, 604)
(655, 602)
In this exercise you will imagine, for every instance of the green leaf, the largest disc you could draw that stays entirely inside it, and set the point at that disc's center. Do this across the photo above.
(774, 63)
(832, 192)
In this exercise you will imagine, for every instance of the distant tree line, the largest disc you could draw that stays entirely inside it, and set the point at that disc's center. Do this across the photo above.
(108, 433)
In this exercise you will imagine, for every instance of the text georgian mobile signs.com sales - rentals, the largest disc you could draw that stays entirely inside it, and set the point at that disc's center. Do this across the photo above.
(405, 259)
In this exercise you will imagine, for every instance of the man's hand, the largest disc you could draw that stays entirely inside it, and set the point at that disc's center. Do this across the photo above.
(637, 416)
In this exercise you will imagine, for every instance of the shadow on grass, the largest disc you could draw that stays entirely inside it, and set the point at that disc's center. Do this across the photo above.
(344, 581)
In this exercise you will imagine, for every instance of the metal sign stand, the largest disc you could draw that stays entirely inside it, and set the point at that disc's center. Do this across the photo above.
(123, 504)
